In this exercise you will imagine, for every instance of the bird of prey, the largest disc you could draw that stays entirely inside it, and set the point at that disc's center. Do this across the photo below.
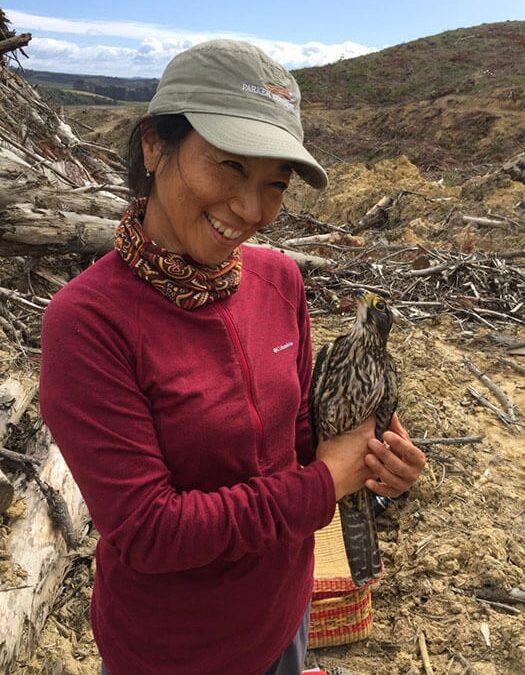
(355, 377)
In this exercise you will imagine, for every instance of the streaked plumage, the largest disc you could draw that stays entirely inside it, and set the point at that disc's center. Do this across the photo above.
(353, 378)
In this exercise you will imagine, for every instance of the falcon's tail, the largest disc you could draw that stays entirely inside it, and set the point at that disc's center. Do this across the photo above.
(360, 536)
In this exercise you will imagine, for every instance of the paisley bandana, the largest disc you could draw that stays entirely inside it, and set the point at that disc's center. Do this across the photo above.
(186, 283)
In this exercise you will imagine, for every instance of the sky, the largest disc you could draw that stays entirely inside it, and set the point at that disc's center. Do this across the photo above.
(137, 39)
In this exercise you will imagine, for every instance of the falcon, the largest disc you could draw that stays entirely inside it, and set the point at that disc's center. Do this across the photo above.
(355, 377)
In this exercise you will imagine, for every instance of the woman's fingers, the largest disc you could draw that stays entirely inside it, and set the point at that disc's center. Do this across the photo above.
(383, 455)
(398, 428)
(386, 474)
(397, 463)
(383, 489)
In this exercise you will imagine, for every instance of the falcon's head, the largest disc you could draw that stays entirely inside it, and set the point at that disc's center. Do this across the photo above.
(373, 312)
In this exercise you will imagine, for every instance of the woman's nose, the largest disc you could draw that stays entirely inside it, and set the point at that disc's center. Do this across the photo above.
(247, 204)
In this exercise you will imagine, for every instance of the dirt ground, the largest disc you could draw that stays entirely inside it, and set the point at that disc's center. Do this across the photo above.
(460, 531)
(453, 132)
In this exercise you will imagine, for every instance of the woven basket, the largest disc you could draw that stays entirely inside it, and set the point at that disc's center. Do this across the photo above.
(341, 612)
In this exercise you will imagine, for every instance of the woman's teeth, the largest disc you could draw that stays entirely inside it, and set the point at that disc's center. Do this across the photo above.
(226, 232)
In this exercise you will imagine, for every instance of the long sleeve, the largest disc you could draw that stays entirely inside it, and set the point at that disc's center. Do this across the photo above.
(102, 422)
(304, 448)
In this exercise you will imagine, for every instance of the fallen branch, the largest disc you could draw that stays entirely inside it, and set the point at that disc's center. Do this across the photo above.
(16, 297)
(7, 492)
(327, 238)
(470, 312)
(376, 216)
(122, 189)
(484, 594)
(56, 505)
(516, 595)
(485, 402)
(59, 513)
(424, 653)
(24, 611)
(80, 124)
(509, 255)
(14, 400)
(304, 262)
(483, 222)
(434, 269)
(499, 315)
(469, 670)
(459, 440)
(380, 290)
(500, 605)
(26, 230)
(37, 158)
(498, 393)
(16, 42)
(18, 458)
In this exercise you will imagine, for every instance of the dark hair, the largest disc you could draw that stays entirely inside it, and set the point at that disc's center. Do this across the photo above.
(171, 129)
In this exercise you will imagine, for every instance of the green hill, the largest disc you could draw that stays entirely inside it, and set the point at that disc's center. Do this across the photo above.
(73, 89)
(463, 61)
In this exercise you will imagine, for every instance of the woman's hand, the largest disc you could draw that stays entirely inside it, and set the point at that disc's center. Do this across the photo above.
(344, 456)
(395, 464)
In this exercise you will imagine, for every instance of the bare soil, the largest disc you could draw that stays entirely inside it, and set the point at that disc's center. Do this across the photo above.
(453, 135)
(461, 528)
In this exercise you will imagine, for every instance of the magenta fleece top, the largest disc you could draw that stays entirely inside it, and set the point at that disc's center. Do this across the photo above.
(186, 432)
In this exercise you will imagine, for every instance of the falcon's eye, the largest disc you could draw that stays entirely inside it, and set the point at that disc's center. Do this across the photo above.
(380, 305)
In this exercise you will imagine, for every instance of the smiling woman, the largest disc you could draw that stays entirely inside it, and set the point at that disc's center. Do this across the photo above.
(175, 380)
(205, 202)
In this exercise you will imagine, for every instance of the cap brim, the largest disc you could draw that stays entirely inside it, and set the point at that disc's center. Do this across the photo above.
(242, 136)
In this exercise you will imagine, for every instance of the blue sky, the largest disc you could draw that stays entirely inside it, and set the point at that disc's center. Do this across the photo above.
(118, 37)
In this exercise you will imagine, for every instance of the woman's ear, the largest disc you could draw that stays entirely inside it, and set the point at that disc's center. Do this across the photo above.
(151, 147)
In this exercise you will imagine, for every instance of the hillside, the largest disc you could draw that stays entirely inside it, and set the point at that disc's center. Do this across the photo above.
(463, 61)
(71, 89)
(453, 103)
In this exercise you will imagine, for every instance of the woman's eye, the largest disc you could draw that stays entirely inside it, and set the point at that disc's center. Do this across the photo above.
(236, 166)
(281, 185)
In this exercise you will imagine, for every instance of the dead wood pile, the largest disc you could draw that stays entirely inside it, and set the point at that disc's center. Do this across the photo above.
(43, 163)
(486, 287)
(36, 137)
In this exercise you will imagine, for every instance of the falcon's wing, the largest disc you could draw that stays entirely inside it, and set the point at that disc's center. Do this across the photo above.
(317, 386)
(388, 404)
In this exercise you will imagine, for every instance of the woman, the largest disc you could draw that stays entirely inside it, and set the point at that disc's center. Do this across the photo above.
(175, 380)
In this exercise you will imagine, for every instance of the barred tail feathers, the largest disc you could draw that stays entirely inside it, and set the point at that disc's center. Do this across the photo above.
(360, 536)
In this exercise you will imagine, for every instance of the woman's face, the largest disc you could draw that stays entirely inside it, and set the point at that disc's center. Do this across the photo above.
(205, 202)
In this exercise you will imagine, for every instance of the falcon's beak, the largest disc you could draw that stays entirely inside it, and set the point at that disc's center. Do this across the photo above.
(362, 296)
(363, 300)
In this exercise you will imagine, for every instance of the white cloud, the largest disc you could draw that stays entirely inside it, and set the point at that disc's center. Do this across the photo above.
(150, 46)
(63, 56)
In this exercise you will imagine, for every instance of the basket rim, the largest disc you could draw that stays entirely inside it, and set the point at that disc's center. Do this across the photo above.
(334, 586)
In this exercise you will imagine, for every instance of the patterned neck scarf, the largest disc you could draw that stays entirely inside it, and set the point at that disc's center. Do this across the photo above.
(186, 283)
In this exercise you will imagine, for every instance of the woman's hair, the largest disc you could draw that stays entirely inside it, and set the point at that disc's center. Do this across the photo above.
(171, 129)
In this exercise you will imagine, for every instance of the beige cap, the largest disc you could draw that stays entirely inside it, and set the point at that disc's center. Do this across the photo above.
(239, 100)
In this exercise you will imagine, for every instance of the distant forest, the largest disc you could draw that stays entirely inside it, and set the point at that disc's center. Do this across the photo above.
(71, 89)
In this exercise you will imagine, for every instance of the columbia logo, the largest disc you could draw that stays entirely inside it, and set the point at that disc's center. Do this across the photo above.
(281, 348)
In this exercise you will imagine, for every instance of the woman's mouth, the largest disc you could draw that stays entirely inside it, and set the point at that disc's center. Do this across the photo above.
(224, 230)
